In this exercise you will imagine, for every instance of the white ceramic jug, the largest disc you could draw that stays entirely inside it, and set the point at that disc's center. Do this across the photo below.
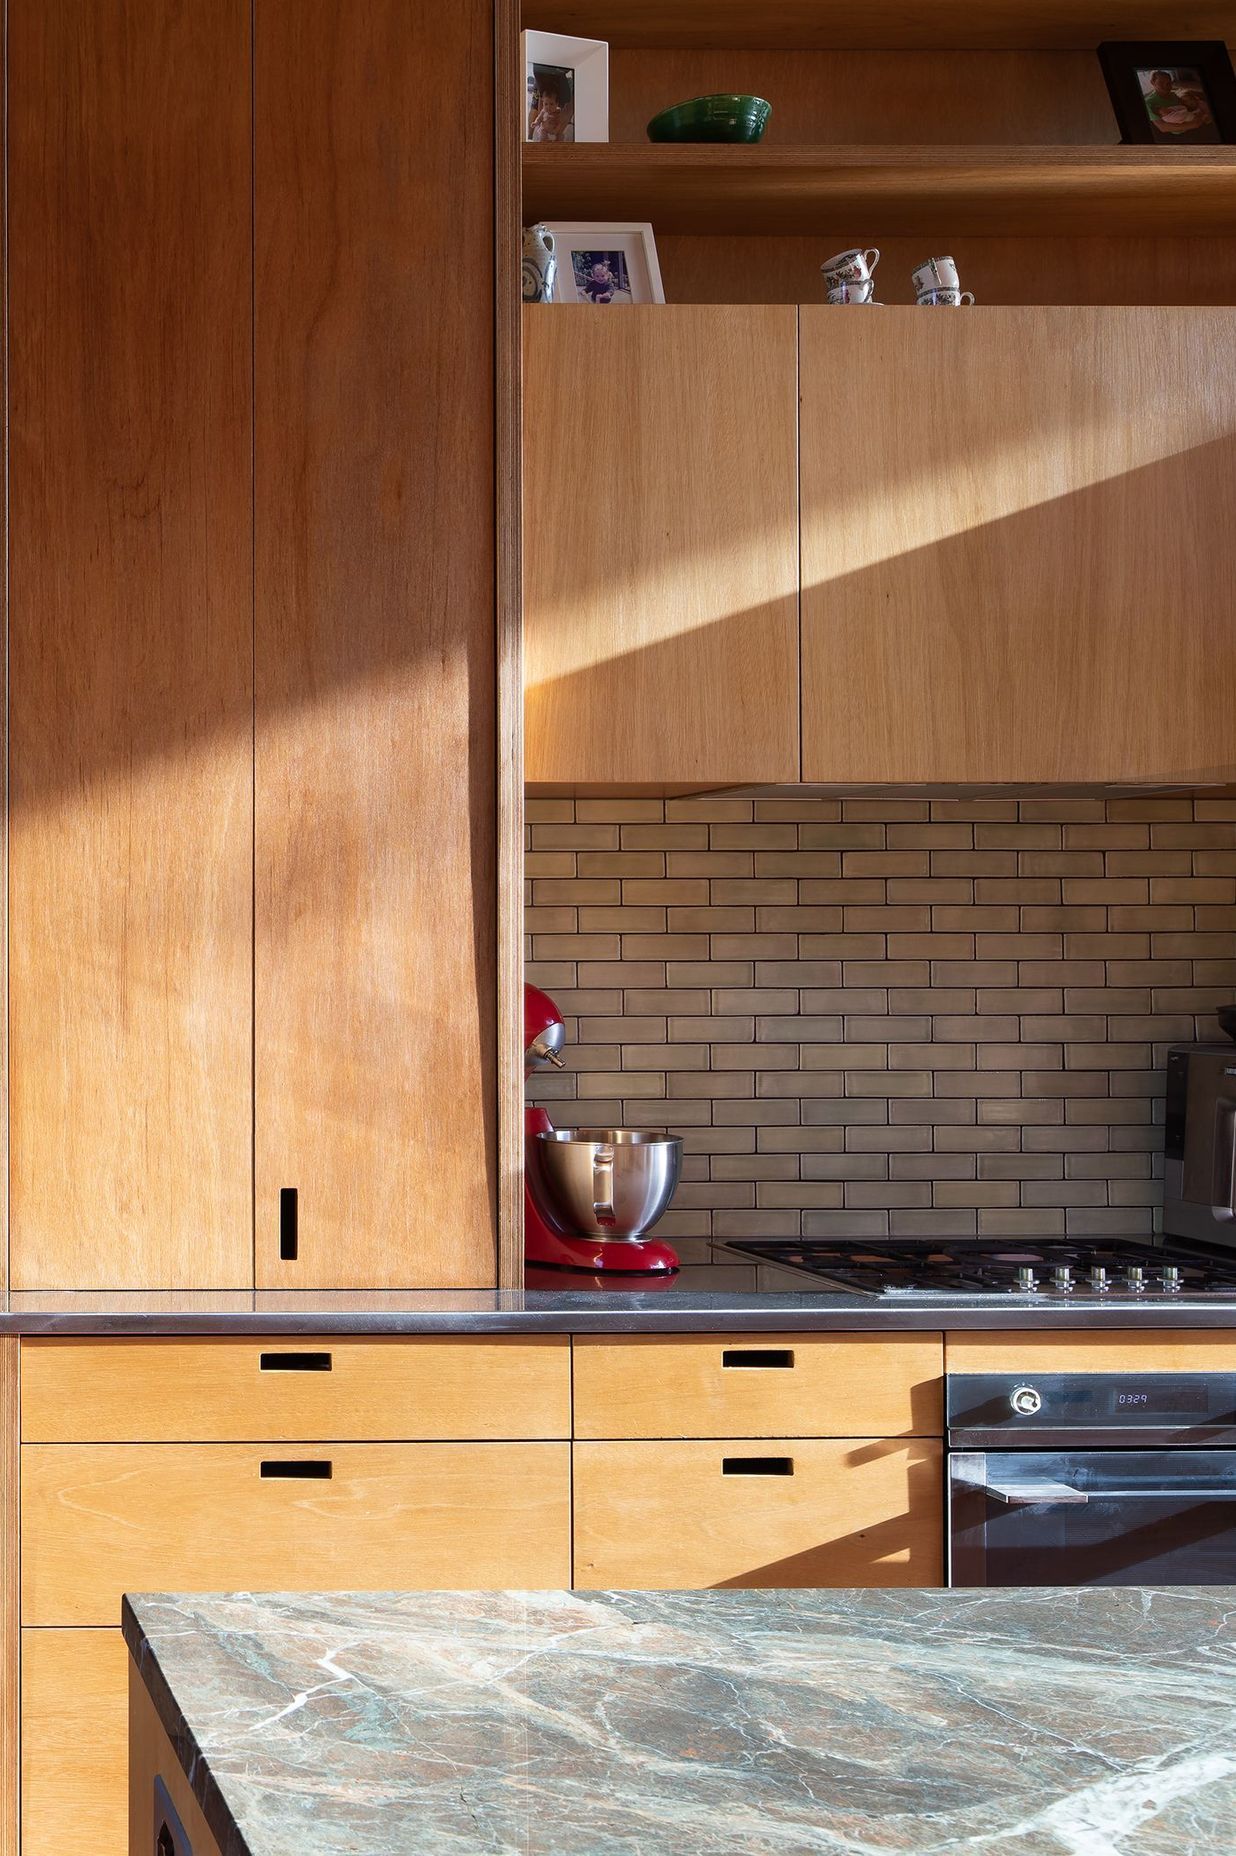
(540, 265)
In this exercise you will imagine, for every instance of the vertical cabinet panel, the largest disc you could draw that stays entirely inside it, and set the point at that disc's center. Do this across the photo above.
(1017, 546)
(131, 571)
(75, 1751)
(660, 545)
(375, 902)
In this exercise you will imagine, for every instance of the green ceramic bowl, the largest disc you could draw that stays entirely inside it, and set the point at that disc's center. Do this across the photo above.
(712, 119)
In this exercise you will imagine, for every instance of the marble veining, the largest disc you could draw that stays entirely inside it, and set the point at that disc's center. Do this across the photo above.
(1097, 1722)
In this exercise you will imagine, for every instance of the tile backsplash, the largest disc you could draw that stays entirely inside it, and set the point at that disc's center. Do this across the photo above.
(885, 1017)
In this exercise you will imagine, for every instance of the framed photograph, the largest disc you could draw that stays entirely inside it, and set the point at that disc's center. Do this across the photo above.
(1171, 92)
(566, 88)
(606, 265)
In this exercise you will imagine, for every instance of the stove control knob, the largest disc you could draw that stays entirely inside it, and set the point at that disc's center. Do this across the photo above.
(1171, 1277)
(1098, 1277)
(1027, 1401)
(1062, 1276)
(1026, 1278)
(1135, 1277)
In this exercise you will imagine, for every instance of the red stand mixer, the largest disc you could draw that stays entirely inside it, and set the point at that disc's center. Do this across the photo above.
(612, 1182)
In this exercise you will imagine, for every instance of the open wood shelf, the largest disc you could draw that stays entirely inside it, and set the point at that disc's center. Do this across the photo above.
(884, 24)
(999, 192)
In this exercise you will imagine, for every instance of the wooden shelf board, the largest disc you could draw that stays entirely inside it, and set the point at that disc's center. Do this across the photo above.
(882, 24)
(996, 192)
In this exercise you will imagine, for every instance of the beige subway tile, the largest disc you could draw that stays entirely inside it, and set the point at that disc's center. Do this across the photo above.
(709, 864)
(1193, 889)
(1106, 1056)
(981, 1084)
(753, 947)
(1060, 972)
(1211, 916)
(949, 1225)
(955, 864)
(1019, 890)
(936, 1113)
(898, 1195)
(1124, 1192)
(884, 863)
(550, 921)
(1066, 1083)
(1159, 918)
(1107, 1166)
(1213, 863)
(805, 1195)
(955, 835)
(549, 863)
(1135, 1083)
(888, 1083)
(798, 973)
(845, 1166)
(756, 1056)
(972, 1028)
(664, 837)
(1115, 1221)
(708, 1085)
(894, 811)
(808, 1140)
(1211, 973)
(638, 1055)
(756, 1224)
(1016, 837)
(968, 809)
(829, 999)
(884, 920)
(766, 1112)
(928, 1056)
(662, 1000)
(1065, 811)
(620, 863)
(841, 837)
(1061, 919)
(1064, 1192)
(539, 811)
(932, 1165)
(1150, 972)
(1107, 837)
(664, 946)
(853, 1225)
(948, 919)
(799, 865)
(708, 920)
(572, 891)
(842, 946)
(843, 889)
(828, 1055)
(620, 973)
(925, 889)
(739, 891)
(1148, 809)
(624, 920)
(964, 1140)
(973, 973)
(550, 974)
(1191, 946)
(1149, 863)
(625, 1028)
(710, 808)
(712, 972)
(1060, 863)
(626, 1084)
(1067, 1028)
(1023, 1221)
(1021, 1166)
(902, 1143)
(1106, 890)
(752, 999)
(1020, 999)
(1216, 808)
(1107, 946)
(716, 1194)
(812, 920)
(753, 837)
(886, 973)
(586, 1056)
(1021, 1113)
(575, 947)
(1195, 999)
(624, 810)
(805, 1027)
(804, 809)
(588, 1002)
(754, 1166)
(977, 1192)
(661, 892)
(730, 1141)
(930, 999)
(933, 946)
(570, 837)
(1020, 947)
(1159, 1027)
(874, 1028)
(843, 1114)
(1211, 836)
(799, 1085)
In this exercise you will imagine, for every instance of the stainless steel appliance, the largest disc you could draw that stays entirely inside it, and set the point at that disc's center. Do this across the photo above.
(1075, 1270)
(1199, 1183)
(604, 1182)
(1091, 1479)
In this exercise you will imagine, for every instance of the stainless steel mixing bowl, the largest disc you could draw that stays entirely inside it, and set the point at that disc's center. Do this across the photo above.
(603, 1182)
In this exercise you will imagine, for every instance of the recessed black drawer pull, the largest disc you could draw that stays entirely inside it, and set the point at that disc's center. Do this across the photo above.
(297, 1469)
(295, 1362)
(289, 1239)
(757, 1466)
(757, 1356)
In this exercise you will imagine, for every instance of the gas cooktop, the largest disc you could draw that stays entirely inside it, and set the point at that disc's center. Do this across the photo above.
(1082, 1270)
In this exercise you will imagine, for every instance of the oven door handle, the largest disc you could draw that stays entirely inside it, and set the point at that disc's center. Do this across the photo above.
(1058, 1494)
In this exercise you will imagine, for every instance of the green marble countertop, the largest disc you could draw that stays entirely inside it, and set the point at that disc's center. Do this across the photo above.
(1094, 1722)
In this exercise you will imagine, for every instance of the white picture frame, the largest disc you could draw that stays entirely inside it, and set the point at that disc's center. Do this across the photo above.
(566, 88)
(631, 275)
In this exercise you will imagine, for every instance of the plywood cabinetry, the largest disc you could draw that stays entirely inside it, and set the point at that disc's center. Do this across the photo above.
(1016, 553)
(74, 1741)
(660, 545)
(129, 290)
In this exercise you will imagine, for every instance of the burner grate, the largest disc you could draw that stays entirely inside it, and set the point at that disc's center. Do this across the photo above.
(1002, 1267)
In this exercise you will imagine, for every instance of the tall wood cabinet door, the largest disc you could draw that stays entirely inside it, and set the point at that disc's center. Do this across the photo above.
(1018, 552)
(75, 1741)
(375, 802)
(129, 264)
(660, 545)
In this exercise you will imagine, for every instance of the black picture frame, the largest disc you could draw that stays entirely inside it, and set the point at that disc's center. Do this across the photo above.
(1123, 59)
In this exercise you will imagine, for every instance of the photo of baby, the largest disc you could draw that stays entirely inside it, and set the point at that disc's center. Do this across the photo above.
(601, 277)
(1177, 105)
(551, 103)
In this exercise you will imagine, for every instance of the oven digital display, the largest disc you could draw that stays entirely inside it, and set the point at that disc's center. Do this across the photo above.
(1162, 1401)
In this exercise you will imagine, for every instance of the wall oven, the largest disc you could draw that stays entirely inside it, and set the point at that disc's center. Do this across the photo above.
(1092, 1479)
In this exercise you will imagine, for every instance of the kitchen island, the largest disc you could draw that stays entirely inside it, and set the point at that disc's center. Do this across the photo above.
(1093, 1722)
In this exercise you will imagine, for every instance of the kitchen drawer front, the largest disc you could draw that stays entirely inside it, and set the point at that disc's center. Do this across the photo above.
(1140, 1350)
(659, 1516)
(759, 1385)
(102, 1519)
(229, 1390)
(74, 1742)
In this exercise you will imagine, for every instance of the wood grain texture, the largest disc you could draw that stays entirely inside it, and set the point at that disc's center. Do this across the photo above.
(130, 642)
(1014, 271)
(933, 190)
(152, 1756)
(839, 1385)
(916, 23)
(1138, 1350)
(1025, 506)
(660, 545)
(376, 908)
(175, 1391)
(102, 1519)
(75, 1751)
(508, 389)
(10, 1598)
(881, 96)
(657, 1516)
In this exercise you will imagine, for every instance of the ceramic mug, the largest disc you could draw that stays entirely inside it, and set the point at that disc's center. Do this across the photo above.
(850, 267)
(951, 297)
(540, 265)
(852, 293)
(936, 274)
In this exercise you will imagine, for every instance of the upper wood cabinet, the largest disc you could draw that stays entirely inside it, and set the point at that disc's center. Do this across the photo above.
(375, 906)
(1017, 547)
(130, 411)
(660, 545)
